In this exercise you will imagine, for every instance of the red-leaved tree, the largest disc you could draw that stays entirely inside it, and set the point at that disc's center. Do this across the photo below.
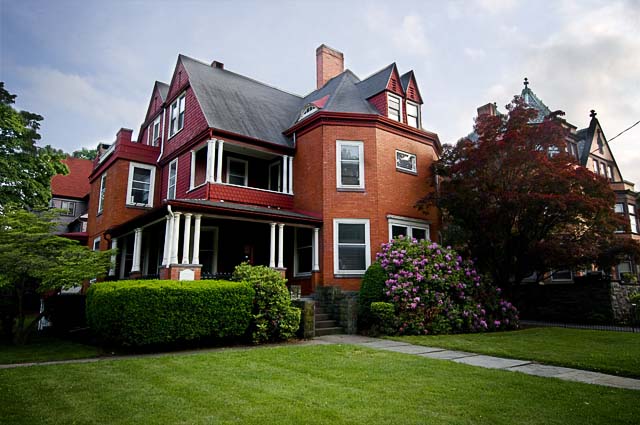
(519, 204)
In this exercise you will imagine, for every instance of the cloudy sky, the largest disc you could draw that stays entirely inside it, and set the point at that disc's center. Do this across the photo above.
(88, 66)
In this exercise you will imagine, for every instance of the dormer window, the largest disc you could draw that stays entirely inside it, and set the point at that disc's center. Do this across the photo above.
(394, 108)
(154, 133)
(308, 110)
(413, 114)
(177, 115)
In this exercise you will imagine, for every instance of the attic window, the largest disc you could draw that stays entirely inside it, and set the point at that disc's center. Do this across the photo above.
(394, 109)
(308, 110)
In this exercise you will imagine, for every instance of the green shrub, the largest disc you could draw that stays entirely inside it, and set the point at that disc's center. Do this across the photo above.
(383, 318)
(371, 290)
(138, 313)
(635, 299)
(274, 318)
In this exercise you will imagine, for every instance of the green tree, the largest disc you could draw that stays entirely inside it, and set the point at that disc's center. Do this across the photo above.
(519, 204)
(25, 169)
(85, 153)
(32, 257)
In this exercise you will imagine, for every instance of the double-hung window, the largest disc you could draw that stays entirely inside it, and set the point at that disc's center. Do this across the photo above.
(619, 209)
(103, 189)
(237, 171)
(177, 115)
(140, 184)
(408, 228)
(154, 132)
(394, 108)
(350, 165)
(611, 176)
(68, 207)
(633, 219)
(96, 244)
(406, 161)
(173, 177)
(352, 250)
(413, 114)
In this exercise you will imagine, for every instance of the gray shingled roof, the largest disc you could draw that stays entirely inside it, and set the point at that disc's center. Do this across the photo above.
(377, 82)
(238, 104)
(534, 102)
(404, 80)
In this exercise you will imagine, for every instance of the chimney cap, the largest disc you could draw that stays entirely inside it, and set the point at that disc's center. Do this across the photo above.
(330, 50)
(218, 65)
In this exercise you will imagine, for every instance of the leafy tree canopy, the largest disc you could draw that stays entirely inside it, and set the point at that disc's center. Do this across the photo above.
(32, 256)
(519, 203)
(25, 169)
(85, 153)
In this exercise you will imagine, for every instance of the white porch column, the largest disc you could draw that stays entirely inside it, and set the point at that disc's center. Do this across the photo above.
(272, 246)
(290, 175)
(137, 250)
(175, 236)
(166, 254)
(219, 161)
(114, 246)
(196, 240)
(316, 251)
(280, 245)
(285, 174)
(186, 238)
(211, 160)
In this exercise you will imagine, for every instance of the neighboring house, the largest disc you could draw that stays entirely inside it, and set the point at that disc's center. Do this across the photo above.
(70, 193)
(591, 149)
(227, 169)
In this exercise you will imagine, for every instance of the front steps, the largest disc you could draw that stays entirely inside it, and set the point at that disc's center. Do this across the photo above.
(324, 324)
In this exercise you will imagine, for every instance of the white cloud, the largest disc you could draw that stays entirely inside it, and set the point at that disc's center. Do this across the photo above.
(407, 36)
(474, 54)
(496, 6)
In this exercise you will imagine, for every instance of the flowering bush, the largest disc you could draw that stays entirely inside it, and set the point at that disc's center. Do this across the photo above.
(435, 291)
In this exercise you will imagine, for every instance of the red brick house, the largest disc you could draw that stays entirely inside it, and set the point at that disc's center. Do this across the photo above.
(227, 169)
(590, 147)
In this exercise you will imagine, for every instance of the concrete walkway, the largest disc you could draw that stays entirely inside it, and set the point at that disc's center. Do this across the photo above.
(522, 366)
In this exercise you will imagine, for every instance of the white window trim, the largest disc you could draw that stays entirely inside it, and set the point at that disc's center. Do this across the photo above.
(176, 103)
(279, 165)
(307, 110)
(390, 95)
(410, 224)
(296, 257)
(415, 164)
(246, 170)
(66, 210)
(96, 241)
(103, 188)
(367, 240)
(418, 118)
(175, 180)
(151, 140)
(339, 144)
(152, 179)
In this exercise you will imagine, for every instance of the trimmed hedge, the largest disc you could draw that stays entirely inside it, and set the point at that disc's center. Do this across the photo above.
(138, 313)
(371, 290)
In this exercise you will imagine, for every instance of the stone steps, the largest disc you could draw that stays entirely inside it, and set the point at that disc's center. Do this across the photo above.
(324, 324)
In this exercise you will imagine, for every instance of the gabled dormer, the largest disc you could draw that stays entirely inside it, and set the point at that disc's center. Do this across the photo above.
(151, 129)
(596, 154)
(413, 100)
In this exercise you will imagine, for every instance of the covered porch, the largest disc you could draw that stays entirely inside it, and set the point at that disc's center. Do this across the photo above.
(198, 239)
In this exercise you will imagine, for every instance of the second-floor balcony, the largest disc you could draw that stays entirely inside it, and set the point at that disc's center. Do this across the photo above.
(221, 170)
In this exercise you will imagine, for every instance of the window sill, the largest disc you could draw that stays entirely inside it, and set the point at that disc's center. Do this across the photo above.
(174, 134)
(302, 275)
(351, 189)
(402, 170)
(139, 206)
(344, 275)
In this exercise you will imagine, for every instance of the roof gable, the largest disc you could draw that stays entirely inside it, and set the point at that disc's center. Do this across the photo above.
(378, 81)
(158, 96)
(592, 141)
(534, 102)
(410, 87)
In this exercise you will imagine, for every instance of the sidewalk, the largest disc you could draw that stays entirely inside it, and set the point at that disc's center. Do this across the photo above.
(481, 360)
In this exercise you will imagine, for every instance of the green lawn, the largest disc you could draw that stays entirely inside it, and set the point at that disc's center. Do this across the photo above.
(43, 349)
(330, 384)
(609, 352)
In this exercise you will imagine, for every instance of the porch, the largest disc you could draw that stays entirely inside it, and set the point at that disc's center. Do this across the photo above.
(207, 239)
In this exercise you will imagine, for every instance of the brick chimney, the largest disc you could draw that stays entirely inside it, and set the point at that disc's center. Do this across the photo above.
(329, 63)
(124, 135)
(489, 109)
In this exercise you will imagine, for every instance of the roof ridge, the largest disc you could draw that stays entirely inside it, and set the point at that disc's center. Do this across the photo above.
(199, 62)
(332, 97)
(392, 64)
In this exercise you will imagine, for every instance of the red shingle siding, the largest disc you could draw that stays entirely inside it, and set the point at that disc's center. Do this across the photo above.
(412, 91)
(394, 85)
(250, 196)
(379, 102)
(194, 124)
